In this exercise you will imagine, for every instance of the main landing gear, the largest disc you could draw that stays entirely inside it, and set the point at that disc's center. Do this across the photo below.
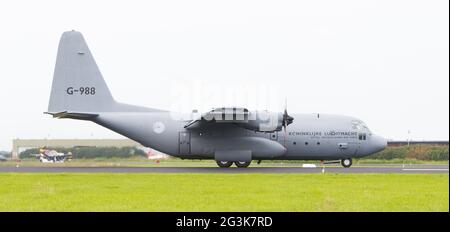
(239, 164)
(346, 163)
(224, 164)
(242, 164)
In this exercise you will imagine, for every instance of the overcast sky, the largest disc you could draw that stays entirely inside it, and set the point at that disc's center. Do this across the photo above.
(385, 62)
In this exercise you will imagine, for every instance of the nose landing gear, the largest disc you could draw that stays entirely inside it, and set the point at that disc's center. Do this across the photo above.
(346, 163)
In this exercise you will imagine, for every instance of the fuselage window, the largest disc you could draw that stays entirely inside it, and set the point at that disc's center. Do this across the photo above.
(306, 143)
(362, 136)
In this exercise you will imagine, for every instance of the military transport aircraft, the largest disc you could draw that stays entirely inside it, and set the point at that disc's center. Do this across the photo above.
(227, 134)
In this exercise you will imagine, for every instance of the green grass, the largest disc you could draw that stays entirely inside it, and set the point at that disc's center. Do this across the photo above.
(224, 192)
(174, 162)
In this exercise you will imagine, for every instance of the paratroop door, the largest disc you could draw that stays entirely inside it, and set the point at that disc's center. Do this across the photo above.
(185, 143)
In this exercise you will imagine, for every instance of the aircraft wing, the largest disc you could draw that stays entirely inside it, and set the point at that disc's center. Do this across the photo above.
(219, 115)
(263, 121)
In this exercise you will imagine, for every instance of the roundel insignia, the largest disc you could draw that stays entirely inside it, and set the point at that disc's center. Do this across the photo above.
(158, 127)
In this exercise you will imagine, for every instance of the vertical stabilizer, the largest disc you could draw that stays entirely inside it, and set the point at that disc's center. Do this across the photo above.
(78, 85)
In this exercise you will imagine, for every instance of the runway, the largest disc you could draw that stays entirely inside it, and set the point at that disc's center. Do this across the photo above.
(416, 169)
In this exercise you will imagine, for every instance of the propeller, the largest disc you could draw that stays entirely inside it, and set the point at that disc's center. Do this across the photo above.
(286, 121)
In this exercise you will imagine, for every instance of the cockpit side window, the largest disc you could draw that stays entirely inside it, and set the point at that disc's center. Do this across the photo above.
(362, 136)
(365, 126)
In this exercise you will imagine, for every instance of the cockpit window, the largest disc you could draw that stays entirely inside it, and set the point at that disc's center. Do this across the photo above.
(359, 125)
(356, 125)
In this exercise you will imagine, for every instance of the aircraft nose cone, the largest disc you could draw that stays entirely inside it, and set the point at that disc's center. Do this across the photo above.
(379, 143)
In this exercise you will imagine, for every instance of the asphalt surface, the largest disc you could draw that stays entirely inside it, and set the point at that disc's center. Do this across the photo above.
(416, 169)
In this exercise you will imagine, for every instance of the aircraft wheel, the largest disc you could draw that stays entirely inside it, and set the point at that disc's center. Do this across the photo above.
(224, 164)
(346, 163)
(242, 164)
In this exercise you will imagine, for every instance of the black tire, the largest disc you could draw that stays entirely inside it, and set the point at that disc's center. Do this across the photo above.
(224, 164)
(242, 164)
(346, 163)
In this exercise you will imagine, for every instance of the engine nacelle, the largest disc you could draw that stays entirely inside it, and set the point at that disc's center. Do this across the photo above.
(263, 121)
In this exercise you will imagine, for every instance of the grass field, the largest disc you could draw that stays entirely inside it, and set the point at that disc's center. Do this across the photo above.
(224, 192)
(142, 162)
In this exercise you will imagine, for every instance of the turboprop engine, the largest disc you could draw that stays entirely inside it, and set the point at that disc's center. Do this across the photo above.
(263, 121)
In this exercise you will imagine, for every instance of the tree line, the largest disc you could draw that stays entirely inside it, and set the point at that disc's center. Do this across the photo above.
(418, 152)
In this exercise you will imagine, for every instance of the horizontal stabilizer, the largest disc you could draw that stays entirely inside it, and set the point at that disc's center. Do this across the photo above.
(73, 115)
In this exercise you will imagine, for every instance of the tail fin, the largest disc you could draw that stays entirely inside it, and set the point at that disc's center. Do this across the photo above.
(78, 89)
(78, 85)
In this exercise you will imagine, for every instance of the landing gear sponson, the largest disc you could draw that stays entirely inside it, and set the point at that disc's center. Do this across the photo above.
(239, 164)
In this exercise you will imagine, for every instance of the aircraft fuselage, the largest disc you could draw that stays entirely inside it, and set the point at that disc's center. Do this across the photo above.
(310, 136)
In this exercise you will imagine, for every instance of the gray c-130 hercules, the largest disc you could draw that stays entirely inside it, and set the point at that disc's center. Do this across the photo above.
(228, 135)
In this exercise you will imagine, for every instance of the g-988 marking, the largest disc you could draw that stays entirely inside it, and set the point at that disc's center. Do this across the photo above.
(81, 91)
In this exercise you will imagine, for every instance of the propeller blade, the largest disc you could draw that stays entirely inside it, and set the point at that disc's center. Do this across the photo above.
(285, 121)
